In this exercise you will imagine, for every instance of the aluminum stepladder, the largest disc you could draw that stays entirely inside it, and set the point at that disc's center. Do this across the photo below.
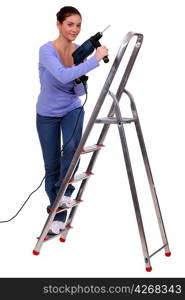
(114, 117)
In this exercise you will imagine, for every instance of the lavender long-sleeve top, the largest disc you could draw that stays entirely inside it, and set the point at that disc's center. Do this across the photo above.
(59, 94)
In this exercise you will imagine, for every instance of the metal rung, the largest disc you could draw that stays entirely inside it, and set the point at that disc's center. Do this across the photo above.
(59, 210)
(81, 176)
(91, 148)
(113, 120)
(158, 250)
(52, 236)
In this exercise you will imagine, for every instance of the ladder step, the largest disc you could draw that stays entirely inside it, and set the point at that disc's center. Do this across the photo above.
(91, 148)
(76, 203)
(79, 177)
(113, 120)
(60, 209)
(52, 236)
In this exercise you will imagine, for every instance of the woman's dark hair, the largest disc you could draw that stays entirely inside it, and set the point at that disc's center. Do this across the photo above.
(65, 12)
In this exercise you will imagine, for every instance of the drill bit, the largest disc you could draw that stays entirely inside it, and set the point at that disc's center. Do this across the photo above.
(105, 29)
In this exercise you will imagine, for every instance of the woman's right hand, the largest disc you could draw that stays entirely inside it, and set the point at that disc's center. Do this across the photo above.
(101, 52)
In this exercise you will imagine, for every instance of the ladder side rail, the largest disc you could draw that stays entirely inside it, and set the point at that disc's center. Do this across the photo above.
(131, 181)
(148, 171)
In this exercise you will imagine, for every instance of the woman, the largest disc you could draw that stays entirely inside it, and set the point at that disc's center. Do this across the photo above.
(59, 105)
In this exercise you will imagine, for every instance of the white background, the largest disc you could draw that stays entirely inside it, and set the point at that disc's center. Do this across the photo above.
(105, 240)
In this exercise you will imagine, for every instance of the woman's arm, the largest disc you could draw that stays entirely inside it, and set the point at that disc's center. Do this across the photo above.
(64, 74)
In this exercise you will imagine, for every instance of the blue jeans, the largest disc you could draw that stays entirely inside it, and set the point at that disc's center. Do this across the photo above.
(56, 164)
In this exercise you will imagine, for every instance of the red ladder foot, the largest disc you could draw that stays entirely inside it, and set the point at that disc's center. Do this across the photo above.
(168, 253)
(62, 240)
(148, 269)
(36, 252)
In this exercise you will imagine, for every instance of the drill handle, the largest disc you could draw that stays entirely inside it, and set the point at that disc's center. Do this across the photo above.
(105, 58)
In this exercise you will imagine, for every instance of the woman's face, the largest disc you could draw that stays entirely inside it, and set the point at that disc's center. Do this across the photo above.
(70, 27)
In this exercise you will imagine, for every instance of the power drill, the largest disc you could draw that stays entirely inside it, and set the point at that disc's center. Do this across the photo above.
(86, 49)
